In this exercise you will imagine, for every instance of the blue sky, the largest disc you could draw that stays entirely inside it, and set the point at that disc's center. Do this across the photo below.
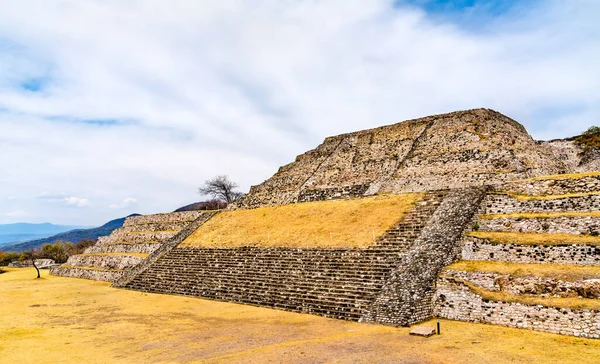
(111, 107)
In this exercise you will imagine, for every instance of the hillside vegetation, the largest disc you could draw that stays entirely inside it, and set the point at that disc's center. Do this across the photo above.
(338, 223)
(73, 236)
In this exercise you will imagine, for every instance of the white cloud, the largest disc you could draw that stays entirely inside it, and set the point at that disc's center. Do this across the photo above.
(76, 201)
(174, 93)
(11, 198)
(18, 213)
(125, 204)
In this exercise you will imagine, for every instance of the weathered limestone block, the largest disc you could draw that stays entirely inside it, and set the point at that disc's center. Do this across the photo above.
(456, 301)
(573, 157)
(104, 261)
(122, 248)
(79, 272)
(455, 150)
(555, 225)
(481, 249)
(504, 204)
(528, 285)
(169, 217)
(556, 186)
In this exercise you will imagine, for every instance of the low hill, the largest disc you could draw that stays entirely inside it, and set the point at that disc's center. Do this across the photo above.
(73, 236)
(15, 233)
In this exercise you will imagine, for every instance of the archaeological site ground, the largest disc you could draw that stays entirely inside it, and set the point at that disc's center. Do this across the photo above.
(459, 217)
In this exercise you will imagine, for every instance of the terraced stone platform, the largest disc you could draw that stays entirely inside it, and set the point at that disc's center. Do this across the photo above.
(340, 283)
(531, 260)
(128, 246)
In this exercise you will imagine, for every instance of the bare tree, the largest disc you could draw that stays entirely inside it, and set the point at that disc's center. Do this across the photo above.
(32, 255)
(220, 188)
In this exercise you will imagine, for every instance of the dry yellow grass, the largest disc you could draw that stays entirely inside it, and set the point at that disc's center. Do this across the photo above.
(535, 238)
(541, 215)
(339, 223)
(532, 300)
(559, 177)
(545, 197)
(141, 255)
(569, 273)
(68, 320)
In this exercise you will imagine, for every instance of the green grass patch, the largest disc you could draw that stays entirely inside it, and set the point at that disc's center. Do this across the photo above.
(535, 238)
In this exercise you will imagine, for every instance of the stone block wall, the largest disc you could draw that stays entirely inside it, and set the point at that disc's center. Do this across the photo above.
(456, 292)
(528, 285)
(455, 150)
(127, 246)
(456, 301)
(553, 186)
(407, 296)
(554, 225)
(482, 249)
(504, 204)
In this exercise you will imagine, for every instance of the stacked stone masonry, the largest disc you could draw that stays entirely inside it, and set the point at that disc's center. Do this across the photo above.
(456, 301)
(504, 204)
(578, 254)
(529, 285)
(456, 150)
(577, 197)
(338, 283)
(127, 246)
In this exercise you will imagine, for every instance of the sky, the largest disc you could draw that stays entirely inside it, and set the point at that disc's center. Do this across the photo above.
(119, 106)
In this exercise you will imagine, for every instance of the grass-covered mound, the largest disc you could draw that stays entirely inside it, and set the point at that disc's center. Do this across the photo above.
(338, 223)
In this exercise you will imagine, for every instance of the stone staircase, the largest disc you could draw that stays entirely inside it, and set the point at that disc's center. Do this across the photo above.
(531, 259)
(127, 246)
(338, 283)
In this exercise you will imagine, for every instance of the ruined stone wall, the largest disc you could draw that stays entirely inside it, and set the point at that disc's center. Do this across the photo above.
(573, 157)
(555, 225)
(407, 296)
(504, 204)
(127, 246)
(456, 301)
(556, 185)
(481, 249)
(474, 147)
(528, 285)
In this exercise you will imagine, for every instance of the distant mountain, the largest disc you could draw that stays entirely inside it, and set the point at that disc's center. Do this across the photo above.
(19, 232)
(72, 236)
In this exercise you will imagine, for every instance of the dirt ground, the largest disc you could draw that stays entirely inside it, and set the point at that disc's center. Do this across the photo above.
(68, 320)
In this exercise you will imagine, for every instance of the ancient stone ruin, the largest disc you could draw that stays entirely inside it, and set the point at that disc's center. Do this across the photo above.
(506, 231)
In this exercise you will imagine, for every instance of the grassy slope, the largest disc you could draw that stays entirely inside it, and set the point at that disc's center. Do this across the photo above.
(339, 223)
(68, 320)
(569, 273)
(535, 238)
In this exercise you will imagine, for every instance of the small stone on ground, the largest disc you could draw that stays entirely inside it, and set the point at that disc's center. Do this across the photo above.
(423, 331)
